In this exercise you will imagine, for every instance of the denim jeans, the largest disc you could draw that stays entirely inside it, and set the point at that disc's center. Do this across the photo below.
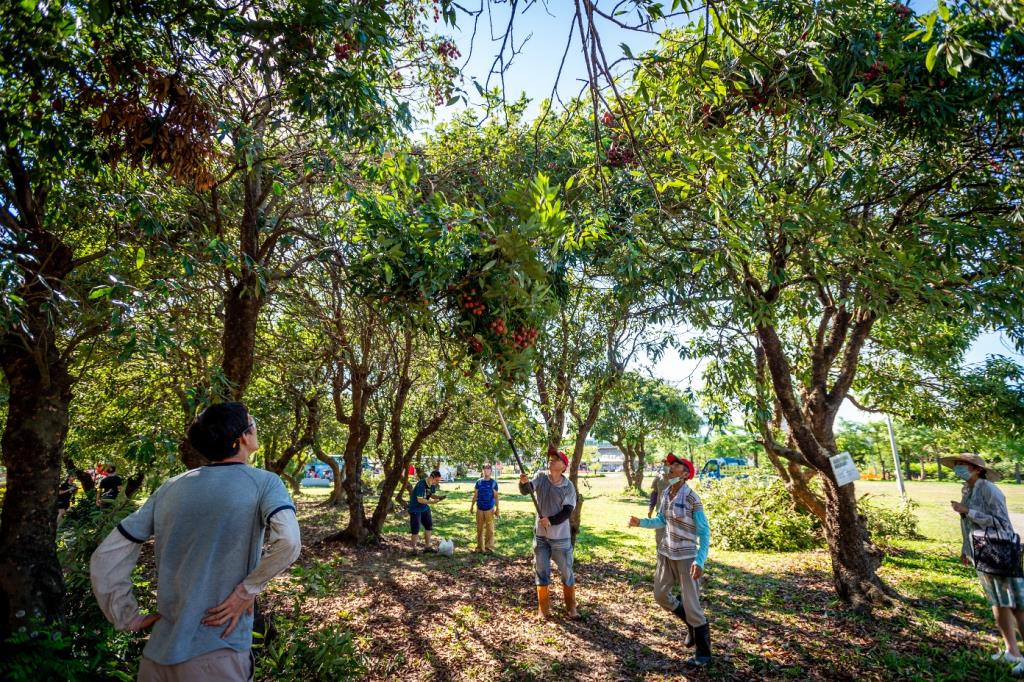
(544, 550)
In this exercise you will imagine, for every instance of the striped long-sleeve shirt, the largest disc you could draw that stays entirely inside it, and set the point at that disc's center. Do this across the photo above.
(687, 533)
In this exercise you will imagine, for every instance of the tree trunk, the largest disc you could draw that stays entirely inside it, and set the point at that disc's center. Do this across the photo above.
(938, 467)
(38, 398)
(400, 461)
(810, 420)
(796, 481)
(81, 474)
(337, 497)
(627, 462)
(39, 394)
(302, 436)
(641, 457)
(133, 484)
(855, 560)
(356, 531)
(358, 435)
(293, 482)
(242, 304)
(920, 460)
(1016, 472)
(584, 427)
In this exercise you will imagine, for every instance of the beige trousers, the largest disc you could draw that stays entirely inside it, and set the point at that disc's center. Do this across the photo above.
(485, 530)
(222, 665)
(667, 575)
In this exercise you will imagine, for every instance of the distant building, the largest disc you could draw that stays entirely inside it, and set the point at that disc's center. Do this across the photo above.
(609, 458)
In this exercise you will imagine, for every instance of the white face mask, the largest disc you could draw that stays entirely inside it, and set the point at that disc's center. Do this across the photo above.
(673, 481)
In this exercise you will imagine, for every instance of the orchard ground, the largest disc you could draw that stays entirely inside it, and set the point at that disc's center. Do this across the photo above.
(773, 616)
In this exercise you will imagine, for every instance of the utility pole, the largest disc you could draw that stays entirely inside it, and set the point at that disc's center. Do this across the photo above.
(896, 458)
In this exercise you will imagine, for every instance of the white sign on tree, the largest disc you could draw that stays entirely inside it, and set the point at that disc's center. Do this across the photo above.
(844, 468)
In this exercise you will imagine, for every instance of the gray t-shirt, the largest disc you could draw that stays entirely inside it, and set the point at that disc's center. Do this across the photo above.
(551, 498)
(209, 525)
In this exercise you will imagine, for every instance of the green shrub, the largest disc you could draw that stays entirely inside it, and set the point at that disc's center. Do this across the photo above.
(756, 513)
(86, 647)
(300, 651)
(885, 523)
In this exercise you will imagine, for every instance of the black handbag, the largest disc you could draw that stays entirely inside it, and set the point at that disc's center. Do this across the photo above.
(997, 554)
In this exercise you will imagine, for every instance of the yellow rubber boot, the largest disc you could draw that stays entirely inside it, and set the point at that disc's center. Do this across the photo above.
(543, 602)
(569, 594)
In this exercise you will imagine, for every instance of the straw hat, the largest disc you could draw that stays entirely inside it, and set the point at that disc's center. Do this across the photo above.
(971, 458)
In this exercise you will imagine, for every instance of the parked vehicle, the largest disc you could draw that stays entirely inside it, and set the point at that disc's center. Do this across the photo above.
(319, 475)
(718, 468)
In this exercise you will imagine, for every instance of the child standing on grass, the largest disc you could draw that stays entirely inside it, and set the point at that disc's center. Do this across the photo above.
(485, 498)
(682, 551)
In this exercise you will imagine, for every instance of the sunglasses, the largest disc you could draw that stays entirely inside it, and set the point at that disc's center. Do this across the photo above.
(250, 427)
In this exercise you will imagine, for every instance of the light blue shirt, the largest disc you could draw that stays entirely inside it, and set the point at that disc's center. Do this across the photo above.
(209, 525)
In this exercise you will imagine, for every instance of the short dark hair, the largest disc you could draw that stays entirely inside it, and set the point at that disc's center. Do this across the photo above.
(215, 432)
(435, 474)
(110, 468)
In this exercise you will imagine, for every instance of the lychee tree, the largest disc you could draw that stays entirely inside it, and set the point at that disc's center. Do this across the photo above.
(821, 180)
(485, 275)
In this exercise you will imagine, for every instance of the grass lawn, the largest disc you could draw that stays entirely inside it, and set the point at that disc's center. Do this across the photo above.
(773, 616)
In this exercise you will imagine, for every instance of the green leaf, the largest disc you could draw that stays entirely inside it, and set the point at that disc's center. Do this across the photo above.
(140, 258)
(100, 292)
(943, 11)
(929, 25)
(711, 64)
(929, 60)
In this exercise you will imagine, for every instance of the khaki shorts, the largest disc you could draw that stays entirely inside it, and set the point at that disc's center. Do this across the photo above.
(222, 665)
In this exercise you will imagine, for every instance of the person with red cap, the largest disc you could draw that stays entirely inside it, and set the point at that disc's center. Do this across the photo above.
(682, 551)
(556, 498)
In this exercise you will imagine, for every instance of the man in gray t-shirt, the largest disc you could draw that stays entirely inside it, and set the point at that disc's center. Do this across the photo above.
(556, 498)
(210, 525)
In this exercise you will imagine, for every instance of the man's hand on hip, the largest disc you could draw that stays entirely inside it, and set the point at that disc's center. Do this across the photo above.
(230, 610)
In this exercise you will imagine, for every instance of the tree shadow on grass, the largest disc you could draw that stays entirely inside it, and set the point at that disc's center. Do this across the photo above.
(471, 617)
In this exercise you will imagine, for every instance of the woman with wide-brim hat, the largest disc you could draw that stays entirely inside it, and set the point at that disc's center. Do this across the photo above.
(983, 506)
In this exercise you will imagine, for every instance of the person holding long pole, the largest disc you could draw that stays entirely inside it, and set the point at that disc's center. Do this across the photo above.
(555, 498)
(682, 551)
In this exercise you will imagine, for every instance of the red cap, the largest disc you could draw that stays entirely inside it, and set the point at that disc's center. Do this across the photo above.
(560, 455)
(672, 459)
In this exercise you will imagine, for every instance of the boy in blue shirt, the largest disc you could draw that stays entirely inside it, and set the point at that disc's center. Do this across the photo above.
(485, 497)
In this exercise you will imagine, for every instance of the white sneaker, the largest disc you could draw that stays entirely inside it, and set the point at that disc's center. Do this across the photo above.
(1018, 669)
(1008, 657)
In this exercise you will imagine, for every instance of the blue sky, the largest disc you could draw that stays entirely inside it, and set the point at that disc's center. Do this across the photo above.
(541, 33)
